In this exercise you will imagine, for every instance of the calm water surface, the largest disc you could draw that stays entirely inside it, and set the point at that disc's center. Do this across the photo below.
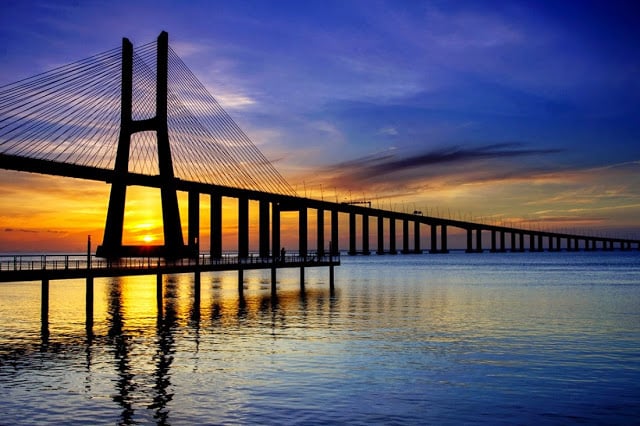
(537, 338)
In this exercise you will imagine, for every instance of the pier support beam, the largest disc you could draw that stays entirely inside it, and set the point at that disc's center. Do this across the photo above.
(275, 232)
(303, 231)
(243, 227)
(469, 240)
(365, 234)
(380, 235)
(434, 239)
(89, 304)
(392, 236)
(405, 236)
(320, 232)
(44, 308)
(352, 234)
(502, 243)
(335, 243)
(216, 226)
(264, 228)
(194, 224)
(416, 237)
(493, 241)
(521, 246)
(443, 239)
(478, 240)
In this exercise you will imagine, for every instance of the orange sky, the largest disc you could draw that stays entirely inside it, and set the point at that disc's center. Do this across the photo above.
(55, 214)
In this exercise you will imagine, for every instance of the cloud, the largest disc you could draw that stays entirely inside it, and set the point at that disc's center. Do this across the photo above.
(386, 165)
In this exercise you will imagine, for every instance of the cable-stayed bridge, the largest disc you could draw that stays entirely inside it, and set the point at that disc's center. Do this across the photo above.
(142, 117)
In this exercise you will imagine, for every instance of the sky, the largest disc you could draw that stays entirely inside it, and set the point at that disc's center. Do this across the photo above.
(515, 112)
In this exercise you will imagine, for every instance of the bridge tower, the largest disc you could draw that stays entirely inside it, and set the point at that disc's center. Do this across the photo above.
(174, 246)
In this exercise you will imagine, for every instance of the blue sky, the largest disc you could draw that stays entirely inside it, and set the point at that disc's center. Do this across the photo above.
(516, 111)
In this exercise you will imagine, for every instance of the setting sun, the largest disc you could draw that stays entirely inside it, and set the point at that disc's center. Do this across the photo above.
(147, 238)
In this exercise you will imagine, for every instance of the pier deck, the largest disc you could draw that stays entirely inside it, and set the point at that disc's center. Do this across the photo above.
(55, 267)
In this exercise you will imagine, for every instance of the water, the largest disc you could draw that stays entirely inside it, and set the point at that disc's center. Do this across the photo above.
(537, 338)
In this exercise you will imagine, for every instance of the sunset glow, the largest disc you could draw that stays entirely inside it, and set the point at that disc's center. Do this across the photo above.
(509, 114)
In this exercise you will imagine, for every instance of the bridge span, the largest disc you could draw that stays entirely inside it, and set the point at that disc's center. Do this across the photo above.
(48, 129)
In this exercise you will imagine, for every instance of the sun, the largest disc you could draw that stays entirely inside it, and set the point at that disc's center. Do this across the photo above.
(147, 238)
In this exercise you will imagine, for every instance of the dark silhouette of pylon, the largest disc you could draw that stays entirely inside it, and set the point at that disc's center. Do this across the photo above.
(112, 246)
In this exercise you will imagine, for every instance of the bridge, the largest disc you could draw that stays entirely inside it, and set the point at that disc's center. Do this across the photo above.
(115, 118)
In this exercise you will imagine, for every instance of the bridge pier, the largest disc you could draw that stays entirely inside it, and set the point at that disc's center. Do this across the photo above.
(416, 238)
(320, 232)
(443, 239)
(405, 236)
(193, 244)
(263, 228)
(275, 232)
(303, 232)
(44, 309)
(503, 247)
(392, 236)
(243, 227)
(365, 234)
(478, 248)
(216, 226)
(89, 304)
(335, 240)
(469, 241)
(380, 235)
(352, 234)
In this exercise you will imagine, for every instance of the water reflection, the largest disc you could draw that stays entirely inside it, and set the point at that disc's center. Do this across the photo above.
(119, 341)
(164, 355)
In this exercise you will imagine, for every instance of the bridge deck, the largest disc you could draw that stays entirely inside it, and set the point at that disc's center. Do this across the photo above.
(53, 267)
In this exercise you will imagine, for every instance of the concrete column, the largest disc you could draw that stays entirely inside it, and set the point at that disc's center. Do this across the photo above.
(320, 232)
(416, 237)
(392, 236)
(264, 228)
(502, 244)
(194, 223)
(365, 234)
(493, 241)
(521, 247)
(532, 242)
(89, 304)
(469, 240)
(216, 226)
(513, 242)
(303, 231)
(243, 227)
(44, 306)
(478, 240)
(405, 236)
(443, 238)
(540, 244)
(275, 231)
(335, 244)
(352, 234)
(380, 235)
(434, 239)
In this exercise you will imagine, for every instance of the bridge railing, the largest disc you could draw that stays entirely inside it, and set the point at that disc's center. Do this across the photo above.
(83, 262)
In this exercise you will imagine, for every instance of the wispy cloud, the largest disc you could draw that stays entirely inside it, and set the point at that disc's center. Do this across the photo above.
(388, 165)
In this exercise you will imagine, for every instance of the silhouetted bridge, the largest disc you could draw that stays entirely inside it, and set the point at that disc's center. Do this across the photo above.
(66, 122)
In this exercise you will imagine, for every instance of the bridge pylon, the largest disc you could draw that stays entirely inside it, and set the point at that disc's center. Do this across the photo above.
(174, 246)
